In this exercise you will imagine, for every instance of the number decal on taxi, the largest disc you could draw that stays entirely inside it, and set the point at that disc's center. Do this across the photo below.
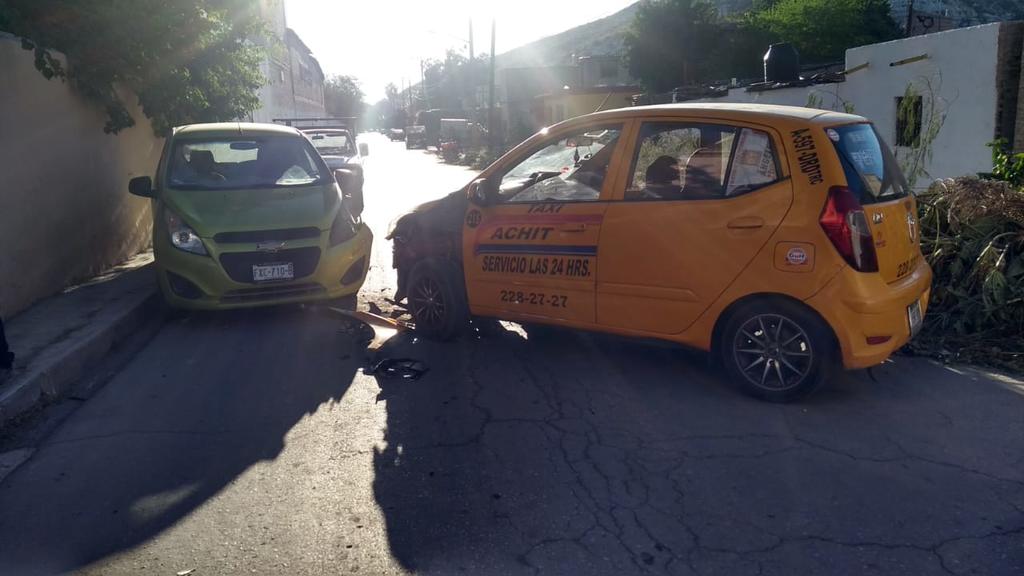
(534, 298)
(905, 267)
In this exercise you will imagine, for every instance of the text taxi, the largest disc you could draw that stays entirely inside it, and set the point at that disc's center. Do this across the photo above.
(782, 239)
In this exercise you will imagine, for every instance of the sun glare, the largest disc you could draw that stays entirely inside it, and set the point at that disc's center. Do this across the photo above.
(384, 42)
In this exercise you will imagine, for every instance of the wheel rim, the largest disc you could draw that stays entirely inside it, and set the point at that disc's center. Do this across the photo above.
(427, 303)
(773, 352)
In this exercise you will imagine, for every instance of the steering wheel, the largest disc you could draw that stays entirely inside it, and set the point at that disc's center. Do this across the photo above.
(591, 178)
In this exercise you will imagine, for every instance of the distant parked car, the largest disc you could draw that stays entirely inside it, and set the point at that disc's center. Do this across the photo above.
(415, 137)
(338, 149)
(396, 134)
(249, 215)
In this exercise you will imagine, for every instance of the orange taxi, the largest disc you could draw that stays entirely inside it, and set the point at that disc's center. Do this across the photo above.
(784, 240)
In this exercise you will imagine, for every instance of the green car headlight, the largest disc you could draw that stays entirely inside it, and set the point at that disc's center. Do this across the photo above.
(183, 237)
(343, 229)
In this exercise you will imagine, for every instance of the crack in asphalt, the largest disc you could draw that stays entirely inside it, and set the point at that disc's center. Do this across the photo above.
(626, 490)
(613, 468)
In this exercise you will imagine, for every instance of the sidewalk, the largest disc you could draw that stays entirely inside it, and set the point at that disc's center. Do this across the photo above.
(59, 339)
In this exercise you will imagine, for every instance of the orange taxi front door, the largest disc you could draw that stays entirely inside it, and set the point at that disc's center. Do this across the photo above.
(533, 261)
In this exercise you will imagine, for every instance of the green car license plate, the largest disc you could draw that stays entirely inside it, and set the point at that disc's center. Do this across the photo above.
(270, 272)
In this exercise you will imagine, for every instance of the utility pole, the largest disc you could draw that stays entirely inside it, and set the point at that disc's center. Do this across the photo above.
(472, 105)
(491, 124)
(910, 17)
(423, 87)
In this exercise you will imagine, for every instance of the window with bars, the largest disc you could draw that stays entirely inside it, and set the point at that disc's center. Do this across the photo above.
(908, 120)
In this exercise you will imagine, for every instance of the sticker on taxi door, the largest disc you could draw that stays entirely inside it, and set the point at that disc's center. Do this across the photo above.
(531, 244)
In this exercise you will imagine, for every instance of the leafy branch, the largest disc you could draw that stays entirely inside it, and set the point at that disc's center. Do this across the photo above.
(186, 60)
(1006, 166)
(921, 128)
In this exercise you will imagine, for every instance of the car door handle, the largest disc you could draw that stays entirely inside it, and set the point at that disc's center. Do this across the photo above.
(746, 222)
(574, 228)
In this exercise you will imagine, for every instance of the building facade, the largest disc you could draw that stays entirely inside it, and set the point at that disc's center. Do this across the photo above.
(964, 83)
(530, 98)
(294, 80)
(561, 105)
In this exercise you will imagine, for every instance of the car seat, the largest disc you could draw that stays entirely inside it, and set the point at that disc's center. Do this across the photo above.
(702, 174)
(661, 179)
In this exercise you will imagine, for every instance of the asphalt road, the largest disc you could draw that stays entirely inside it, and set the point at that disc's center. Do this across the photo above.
(250, 442)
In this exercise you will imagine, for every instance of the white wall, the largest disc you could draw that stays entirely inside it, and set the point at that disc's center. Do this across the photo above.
(825, 96)
(65, 211)
(959, 75)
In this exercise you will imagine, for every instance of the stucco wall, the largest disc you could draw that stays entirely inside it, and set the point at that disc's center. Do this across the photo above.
(825, 95)
(65, 211)
(961, 74)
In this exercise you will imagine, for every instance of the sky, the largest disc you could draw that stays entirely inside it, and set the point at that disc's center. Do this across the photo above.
(382, 41)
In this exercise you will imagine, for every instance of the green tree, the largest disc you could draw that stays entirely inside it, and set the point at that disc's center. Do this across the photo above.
(343, 97)
(450, 83)
(186, 60)
(822, 30)
(671, 43)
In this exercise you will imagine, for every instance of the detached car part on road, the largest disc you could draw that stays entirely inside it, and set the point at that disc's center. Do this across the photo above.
(782, 239)
(250, 214)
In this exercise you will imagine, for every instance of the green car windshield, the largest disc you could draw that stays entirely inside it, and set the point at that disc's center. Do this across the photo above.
(226, 164)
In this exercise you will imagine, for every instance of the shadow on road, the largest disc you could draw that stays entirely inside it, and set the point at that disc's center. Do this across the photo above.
(568, 453)
(210, 397)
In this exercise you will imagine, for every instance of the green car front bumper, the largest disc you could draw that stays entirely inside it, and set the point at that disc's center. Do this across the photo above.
(223, 279)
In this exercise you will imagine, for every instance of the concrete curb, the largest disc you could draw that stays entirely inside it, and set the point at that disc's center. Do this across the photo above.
(54, 372)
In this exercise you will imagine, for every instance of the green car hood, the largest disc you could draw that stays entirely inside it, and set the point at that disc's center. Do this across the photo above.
(210, 212)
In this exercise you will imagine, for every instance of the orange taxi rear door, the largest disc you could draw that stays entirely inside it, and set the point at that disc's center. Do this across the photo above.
(536, 260)
(663, 261)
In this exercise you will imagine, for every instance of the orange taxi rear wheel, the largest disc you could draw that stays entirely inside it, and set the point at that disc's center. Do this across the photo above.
(777, 350)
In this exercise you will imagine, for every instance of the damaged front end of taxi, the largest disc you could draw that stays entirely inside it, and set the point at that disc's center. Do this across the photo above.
(431, 231)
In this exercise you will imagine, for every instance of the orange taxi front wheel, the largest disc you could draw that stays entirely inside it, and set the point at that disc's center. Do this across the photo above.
(437, 300)
(777, 350)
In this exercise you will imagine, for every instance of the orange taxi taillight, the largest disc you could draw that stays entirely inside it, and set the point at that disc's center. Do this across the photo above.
(846, 225)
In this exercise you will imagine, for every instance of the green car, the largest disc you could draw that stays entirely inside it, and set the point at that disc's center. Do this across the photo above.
(250, 215)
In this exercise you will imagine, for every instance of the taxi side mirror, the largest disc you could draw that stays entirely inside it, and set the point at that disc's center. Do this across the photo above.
(480, 192)
(364, 149)
(142, 186)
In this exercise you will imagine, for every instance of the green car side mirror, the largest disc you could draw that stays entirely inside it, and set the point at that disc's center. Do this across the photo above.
(142, 186)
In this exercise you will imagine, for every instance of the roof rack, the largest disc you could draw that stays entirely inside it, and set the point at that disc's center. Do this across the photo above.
(347, 122)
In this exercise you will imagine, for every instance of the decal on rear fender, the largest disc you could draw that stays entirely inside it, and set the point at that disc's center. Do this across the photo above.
(807, 156)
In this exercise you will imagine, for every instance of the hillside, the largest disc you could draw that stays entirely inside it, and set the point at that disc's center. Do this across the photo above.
(602, 36)
(605, 36)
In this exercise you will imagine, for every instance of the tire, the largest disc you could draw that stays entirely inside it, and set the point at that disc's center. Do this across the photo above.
(776, 350)
(169, 311)
(437, 300)
(345, 302)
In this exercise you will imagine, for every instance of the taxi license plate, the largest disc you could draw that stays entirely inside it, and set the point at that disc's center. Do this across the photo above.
(914, 316)
(268, 272)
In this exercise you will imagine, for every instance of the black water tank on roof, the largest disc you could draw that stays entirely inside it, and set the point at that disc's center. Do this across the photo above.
(781, 63)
